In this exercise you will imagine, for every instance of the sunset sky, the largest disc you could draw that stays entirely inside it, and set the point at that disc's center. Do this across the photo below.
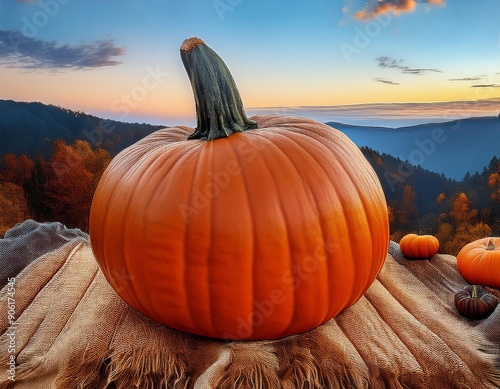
(330, 60)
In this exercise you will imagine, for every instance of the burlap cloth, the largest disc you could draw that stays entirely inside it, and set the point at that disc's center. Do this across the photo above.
(73, 331)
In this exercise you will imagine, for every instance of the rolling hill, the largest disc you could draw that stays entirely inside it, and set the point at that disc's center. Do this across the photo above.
(451, 148)
(416, 165)
(30, 128)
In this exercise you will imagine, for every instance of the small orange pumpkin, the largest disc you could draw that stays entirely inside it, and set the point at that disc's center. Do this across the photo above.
(244, 228)
(479, 262)
(419, 246)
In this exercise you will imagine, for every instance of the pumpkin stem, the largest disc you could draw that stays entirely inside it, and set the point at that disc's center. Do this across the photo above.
(219, 109)
(490, 246)
(474, 293)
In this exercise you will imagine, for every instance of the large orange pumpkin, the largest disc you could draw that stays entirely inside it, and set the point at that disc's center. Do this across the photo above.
(419, 246)
(479, 262)
(248, 228)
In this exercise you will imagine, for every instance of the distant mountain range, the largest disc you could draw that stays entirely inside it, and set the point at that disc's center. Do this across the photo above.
(30, 128)
(451, 148)
(438, 156)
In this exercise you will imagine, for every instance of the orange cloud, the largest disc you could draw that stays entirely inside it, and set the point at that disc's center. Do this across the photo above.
(394, 6)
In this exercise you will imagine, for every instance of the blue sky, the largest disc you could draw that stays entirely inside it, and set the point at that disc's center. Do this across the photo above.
(120, 58)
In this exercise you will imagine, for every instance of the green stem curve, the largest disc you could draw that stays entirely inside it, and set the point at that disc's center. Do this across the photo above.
(219, 109)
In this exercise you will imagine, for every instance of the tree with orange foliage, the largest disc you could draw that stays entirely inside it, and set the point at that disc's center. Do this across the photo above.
(444, 234)
(408, 211)
(462, 212)
(465, 226)
(13, 206)
(16, 169)
(14, 173)
(494, 185)
(73, 172)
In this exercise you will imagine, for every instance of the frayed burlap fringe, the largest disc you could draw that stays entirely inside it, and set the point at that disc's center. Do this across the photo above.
(250, 365)
(134, 369)
(73, 331)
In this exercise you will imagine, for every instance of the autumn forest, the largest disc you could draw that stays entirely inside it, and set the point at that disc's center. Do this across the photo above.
(60, 188)
(57, 189)
(51, 160)
(456, 212)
